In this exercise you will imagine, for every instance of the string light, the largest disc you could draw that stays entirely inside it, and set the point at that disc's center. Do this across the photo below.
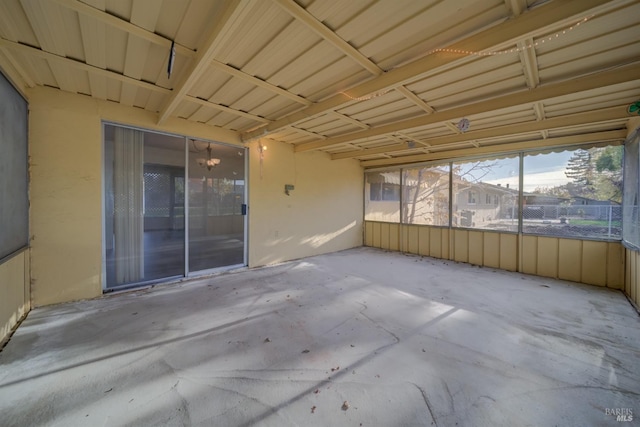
(515, 49)
(481, 53)
(366, 98)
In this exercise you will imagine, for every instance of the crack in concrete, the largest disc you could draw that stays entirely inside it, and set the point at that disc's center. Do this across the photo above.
(426, 401)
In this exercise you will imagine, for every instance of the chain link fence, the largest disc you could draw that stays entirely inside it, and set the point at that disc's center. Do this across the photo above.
(580, 221)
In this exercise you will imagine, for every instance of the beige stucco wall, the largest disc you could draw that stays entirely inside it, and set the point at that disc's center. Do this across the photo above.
(323, 213)
(14, 292)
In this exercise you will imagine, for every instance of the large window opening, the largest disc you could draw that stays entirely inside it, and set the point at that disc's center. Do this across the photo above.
(575, 193)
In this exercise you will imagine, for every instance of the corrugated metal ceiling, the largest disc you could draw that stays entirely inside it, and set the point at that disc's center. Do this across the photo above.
(370, 80)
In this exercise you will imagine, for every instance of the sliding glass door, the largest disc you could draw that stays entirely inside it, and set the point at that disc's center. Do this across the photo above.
(149, 204)
(216, 198)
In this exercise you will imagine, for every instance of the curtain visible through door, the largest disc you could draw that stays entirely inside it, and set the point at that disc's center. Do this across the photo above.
(128, 205)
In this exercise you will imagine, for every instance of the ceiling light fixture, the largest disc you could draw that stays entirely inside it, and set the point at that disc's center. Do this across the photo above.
(209, 162)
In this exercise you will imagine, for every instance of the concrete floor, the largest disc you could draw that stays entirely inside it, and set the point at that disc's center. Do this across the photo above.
(404, 340)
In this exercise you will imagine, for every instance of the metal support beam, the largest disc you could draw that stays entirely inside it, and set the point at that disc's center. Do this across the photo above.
(596, 116)
(622, 74)
(218, 37)
(563, 141)
(534, 22)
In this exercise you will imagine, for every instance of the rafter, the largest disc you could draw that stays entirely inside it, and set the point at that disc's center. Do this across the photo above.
(218, 37)
(415, 99)
(526, 25)
(258, 82)
(327, 34)
(348, 119)
(115, 22)
(596, 116)
(562, 141)
(306, 132)
(529, 63)
(80, 65)
(209, 104)
(622, 74)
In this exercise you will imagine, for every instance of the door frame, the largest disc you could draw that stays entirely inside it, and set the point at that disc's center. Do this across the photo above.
(186, 273)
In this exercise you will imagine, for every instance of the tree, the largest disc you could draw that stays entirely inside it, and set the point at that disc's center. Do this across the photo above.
(608, 164)
(596, 173)
(580, 169)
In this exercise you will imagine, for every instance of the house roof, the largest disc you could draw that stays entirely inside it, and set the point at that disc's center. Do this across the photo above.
(386, 82)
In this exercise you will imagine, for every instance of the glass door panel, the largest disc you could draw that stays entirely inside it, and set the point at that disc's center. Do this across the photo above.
(216, 197)
(144, 206)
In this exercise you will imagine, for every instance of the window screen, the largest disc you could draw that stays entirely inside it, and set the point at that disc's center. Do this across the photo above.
(14, 198)
(631, 196)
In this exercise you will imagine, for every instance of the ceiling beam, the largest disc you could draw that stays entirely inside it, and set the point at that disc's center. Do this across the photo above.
(228, 69)
(610, 77)
(307, 132)
(12, 68)
(529, 62)
(534, 22)
(301, 14)
(209, 104)
(230, 20)
(348, 119)
(562, 141)
(578, 119)
(80, 65)
(120, 24)
(416, 99)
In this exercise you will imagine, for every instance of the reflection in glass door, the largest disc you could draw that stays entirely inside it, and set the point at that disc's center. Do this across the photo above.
(216, 200)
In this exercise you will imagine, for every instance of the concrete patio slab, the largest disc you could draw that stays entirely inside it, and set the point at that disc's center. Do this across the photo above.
(355, 338)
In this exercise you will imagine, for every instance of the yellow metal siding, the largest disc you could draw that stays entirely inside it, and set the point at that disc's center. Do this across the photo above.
(491, 250)
(445, 239)
(530, 254)
(547, 257)
(377, 228)
(384, 235)
(435, 243)
(424, 247)
(461, 245)
(394, 237)
(476, 249)
(413, 239)
(594, 272)
(592, 262)
(509, 252)
(615, 265)
(569, 259)
(368, 234)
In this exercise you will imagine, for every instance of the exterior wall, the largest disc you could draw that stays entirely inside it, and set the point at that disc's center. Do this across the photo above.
(632, 276)
(65, 136)
(14, 292)
(592, 262)
(322, 214)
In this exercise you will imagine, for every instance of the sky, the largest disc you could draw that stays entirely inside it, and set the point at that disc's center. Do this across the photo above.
(543, 170)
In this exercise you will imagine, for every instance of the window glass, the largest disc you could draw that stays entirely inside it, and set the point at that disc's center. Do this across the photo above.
(425, 197)
(575, 193)
(485, 194)
(382, 196)
(631, 214)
